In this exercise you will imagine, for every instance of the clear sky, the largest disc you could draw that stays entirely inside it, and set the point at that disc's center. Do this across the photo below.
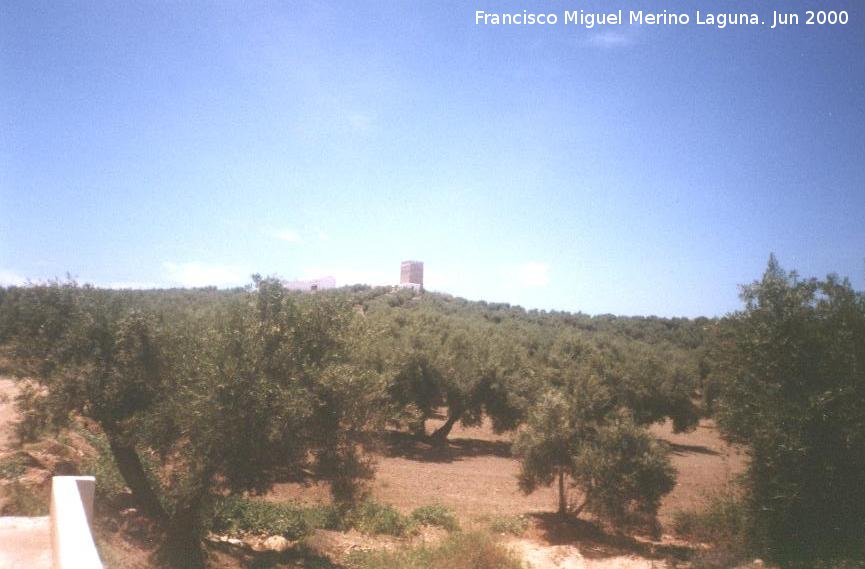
(628, 169)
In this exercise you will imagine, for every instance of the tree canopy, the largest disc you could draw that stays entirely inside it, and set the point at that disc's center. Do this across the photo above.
(204, 392)
(579, 432)
(790, 370)
(262, 389)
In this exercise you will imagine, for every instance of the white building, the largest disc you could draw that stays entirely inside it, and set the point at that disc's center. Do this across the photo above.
(323, 283)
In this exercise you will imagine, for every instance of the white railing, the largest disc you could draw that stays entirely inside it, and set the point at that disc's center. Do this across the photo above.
(71, 517)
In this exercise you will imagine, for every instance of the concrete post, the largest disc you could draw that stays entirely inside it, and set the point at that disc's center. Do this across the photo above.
(71, 519)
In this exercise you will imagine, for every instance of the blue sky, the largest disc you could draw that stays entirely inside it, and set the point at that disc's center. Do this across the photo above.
(635, 170)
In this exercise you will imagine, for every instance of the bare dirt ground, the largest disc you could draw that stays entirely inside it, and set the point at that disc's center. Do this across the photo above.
(704, 464)
(476, 477)
(476, 474)
(24, 542)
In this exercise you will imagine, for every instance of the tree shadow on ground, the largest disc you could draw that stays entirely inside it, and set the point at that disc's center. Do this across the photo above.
(404, 445)
(681, 450)
(594, 542)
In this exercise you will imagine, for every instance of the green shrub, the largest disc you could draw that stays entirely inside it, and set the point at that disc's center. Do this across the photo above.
(725, 519)
(376, 518)
(32, 404)
(829, 564)
(514, 525)
(12, 466)
(235, 515)
(723, 524)
(110, 486)
(458, 551)
(326, 516)
(436, 515)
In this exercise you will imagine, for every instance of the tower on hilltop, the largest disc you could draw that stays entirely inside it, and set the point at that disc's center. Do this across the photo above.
(411, 274)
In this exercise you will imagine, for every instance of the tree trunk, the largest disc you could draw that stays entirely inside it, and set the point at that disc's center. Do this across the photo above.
(440, 435)
(563, 503)
(183, 529)
(130, 467)
(183, 539)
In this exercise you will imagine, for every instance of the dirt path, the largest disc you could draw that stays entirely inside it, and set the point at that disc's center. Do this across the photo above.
(541, 556)
(24, 542)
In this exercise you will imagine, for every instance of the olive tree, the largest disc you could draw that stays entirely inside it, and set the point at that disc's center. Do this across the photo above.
(471, 368)
(261, 388)
(790, 371)
(578, 434)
